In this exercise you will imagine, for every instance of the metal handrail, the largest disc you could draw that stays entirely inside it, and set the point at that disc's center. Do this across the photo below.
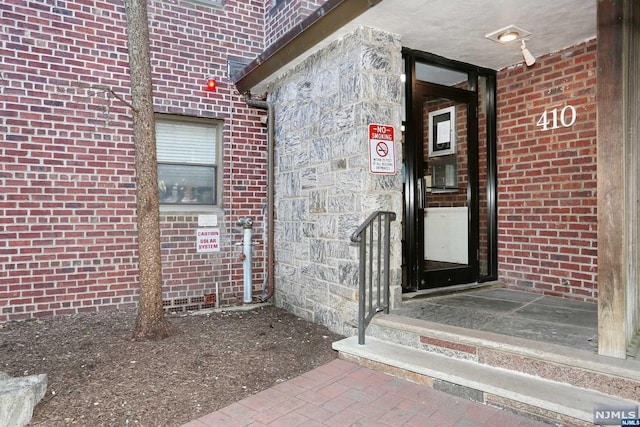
(374, 239)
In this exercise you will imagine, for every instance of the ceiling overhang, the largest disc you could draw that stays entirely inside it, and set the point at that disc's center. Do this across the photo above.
(454, 30)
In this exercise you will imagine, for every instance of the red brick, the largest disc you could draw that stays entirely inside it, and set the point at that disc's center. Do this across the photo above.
(563, 210)
(80, 207)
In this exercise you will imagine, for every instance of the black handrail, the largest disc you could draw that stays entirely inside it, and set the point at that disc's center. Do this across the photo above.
(374, 239)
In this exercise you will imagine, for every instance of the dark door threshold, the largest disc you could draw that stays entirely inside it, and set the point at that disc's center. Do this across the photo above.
(449, 290)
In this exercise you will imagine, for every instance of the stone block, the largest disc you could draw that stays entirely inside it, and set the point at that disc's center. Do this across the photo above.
(18, 397)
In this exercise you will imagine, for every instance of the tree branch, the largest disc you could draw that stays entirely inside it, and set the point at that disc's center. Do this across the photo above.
(109, 90)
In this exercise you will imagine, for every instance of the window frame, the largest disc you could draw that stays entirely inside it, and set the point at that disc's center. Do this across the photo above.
(217, 166)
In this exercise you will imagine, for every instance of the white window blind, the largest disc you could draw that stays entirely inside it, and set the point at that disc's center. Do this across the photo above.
(187, 161)
(186, 142)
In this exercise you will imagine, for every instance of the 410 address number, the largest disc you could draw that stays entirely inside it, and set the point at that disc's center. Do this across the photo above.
(554, 119)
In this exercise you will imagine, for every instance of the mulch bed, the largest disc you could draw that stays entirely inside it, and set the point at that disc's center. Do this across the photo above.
(98, 376)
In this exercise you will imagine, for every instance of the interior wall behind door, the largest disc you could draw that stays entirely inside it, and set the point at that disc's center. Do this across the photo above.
(446, 177)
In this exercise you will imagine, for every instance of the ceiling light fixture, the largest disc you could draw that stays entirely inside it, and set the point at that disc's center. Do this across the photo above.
(529, 59)
(508, 34)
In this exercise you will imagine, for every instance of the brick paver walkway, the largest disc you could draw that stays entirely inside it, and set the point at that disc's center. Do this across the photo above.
(342, 393)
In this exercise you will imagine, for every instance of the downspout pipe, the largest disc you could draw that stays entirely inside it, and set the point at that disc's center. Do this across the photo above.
(268, 288)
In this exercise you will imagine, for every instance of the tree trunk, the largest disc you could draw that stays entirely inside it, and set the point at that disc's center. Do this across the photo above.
(151, 323)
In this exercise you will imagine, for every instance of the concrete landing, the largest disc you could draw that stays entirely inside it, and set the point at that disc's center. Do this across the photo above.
(511, 313)
(554, 401)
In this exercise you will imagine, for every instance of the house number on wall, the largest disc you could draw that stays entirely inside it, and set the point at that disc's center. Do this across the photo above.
(566, 118)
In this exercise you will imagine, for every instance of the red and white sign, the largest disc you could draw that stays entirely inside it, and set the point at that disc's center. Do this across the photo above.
(382, 156)
(208, 240)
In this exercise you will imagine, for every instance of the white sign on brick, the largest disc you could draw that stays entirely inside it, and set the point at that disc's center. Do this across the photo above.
(207, 220)
(208, 240)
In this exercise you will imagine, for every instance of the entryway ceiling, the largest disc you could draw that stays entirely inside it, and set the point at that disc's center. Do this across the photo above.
(456, 29)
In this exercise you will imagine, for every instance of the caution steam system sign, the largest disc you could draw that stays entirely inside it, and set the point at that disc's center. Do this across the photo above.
(382, 158)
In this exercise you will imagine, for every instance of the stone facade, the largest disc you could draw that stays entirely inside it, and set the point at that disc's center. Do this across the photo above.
(324, 189)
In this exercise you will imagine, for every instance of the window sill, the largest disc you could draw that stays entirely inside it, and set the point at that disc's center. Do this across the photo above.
(212, 3)
(190, 209)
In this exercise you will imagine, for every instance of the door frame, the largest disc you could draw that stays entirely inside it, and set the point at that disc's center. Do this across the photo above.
(413, 249)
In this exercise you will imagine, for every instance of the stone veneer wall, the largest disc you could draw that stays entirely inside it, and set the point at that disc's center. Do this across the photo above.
(324, 189)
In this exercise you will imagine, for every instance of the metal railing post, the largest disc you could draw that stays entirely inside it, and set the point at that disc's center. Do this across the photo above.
(361, 286)
(379, 243)
(387, 261)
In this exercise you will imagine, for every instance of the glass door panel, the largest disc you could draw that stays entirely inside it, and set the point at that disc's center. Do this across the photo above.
(446, 233)
(449, 191)
(448, 180)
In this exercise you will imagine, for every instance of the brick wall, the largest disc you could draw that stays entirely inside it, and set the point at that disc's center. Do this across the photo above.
(283, 15)
(67, 174)
(547, 178)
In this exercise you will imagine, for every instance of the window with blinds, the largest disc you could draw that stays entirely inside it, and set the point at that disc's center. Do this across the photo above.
(187, 151)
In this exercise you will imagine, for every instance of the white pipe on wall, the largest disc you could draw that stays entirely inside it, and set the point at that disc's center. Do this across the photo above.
(269, 285)
(247, 239)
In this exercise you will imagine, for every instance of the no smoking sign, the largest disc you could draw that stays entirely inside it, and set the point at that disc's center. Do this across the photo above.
(382, 158)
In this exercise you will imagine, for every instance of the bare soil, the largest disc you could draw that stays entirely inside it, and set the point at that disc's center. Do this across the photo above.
(98, 376)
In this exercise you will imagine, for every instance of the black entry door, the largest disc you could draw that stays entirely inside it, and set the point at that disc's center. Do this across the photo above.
(446, 184)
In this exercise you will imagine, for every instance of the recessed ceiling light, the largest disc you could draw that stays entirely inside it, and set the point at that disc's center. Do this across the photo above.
(508, 34)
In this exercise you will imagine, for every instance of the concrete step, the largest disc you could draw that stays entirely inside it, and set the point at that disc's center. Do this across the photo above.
(579, 368)
(539, 397)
